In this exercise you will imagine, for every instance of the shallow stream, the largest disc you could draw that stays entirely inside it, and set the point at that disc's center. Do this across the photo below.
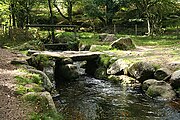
(92, 99)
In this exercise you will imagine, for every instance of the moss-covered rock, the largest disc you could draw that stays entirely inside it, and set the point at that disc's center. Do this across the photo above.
(124, 80)
(100, 73)
(141, 71)
(68, 71)
(162, 73)
(39, 61)
(175, 79)
(158, 89)
(118, 67)
(42, 100)
(105, 60)
(33, 87)
(161, 90)
(101, 48)
(123, 44)
(148, 83)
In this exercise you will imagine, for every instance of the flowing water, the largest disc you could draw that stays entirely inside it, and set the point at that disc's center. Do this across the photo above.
(92, 99)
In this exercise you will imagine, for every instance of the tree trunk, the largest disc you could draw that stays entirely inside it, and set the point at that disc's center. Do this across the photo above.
(60, 12)
(148, 27)
(102, 20)
(13, 15)
(70, 11)
(109, 21)
(52, 21)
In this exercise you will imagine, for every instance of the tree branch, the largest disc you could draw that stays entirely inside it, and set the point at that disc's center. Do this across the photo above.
(67, 18)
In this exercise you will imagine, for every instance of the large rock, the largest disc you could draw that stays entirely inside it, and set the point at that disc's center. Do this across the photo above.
(141, 71)
(83, 47)
(175, 79)
(47, 84)
(123, 44)
(162, 73)
(42, 99)
(66, 61)
(19, 62)
(49, 71)
(102, 36)
(125, 80)
(107, 37)
(118, 67)
(64, 72)
(68, 72)
(148, 83)
(94, 48)
(100, 73)
(161, 90)
(33, 87)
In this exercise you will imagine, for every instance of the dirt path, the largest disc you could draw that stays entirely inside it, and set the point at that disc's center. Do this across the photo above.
(11, 108)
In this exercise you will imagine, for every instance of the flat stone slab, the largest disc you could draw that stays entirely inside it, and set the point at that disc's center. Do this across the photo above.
(74, 55)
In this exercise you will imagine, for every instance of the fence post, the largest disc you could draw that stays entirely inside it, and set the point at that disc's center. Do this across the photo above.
(177, 31)
(75, 30)
(114, 28)
(10, 32)
(136, 29)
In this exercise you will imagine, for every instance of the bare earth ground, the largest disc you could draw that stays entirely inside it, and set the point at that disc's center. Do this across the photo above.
(11, 108)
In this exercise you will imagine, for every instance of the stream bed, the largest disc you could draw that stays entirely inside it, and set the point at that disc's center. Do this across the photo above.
(93, 99)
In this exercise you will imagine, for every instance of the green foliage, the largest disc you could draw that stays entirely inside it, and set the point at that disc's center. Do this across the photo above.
(30, 45)
(65, 37)
(21, 40)
(40, 61)
(100, 48)
(43, 111)
(105, 10)
(164, 40)
(152, 93)
(28, 78)
(87, 38)
(153, 11)
(46, 116)
(101, 73)
(20, 90)
(104, 60)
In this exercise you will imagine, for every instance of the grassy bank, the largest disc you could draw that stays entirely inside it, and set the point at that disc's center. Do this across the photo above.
(30, 82)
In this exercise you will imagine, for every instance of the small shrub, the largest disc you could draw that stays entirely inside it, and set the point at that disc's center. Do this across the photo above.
(65, 37)
(20, 90)
(25, 79)
(28, 78)
(100, 48)
(46, 116)
(104, 60)
(39, 61)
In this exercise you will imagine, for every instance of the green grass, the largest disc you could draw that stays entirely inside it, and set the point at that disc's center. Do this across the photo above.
(43, 111)
(93, 39)
(38, 103)
(162, 41)
(46, 116)
(28, 78)
(25, 79)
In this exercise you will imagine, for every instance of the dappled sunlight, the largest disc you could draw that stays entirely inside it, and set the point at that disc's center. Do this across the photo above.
(153, 54)
(7, 77)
